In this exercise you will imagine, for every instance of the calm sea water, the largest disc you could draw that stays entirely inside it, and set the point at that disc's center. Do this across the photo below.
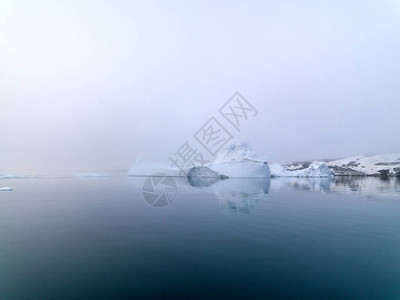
(250, 239)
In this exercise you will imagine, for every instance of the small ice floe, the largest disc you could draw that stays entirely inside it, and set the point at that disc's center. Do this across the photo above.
(92, 175)
(14, 176)
(5, 189)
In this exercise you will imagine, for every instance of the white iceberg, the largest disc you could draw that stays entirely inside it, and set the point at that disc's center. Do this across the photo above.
(236, 160)
(315, 169)
(5, 189)
(239, 160)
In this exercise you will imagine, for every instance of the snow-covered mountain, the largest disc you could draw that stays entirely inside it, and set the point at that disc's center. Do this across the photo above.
(383, 164)
(376, 165)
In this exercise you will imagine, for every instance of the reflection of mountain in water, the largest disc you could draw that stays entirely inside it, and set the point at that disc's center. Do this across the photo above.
(369, 186)
(364, 186)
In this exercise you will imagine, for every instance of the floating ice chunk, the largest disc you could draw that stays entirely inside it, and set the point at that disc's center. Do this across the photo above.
(7, 176)
(5, 189)
(91, 175)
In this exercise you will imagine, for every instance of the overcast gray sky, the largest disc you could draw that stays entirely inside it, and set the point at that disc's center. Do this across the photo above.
(92, 85)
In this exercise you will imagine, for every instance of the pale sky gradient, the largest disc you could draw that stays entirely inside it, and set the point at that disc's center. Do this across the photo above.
(92, 85)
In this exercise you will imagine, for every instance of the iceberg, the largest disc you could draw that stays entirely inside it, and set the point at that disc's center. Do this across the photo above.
(5, 189)
(239, 160)
(236, 160)
(315, 169)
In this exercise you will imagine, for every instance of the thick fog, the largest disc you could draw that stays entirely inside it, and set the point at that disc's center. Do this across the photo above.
(93, 85)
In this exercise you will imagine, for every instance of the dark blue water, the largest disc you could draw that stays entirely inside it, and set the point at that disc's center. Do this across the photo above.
(249, 239)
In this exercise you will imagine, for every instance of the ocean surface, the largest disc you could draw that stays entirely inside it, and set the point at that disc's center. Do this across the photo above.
(279, 238)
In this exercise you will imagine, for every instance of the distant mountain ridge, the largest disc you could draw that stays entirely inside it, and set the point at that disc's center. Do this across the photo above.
(359, 165)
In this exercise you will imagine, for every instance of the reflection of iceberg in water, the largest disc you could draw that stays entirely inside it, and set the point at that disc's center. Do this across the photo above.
(358, 186)
(303, 183)
(234, 195)
(203, 182)
(241, 195)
